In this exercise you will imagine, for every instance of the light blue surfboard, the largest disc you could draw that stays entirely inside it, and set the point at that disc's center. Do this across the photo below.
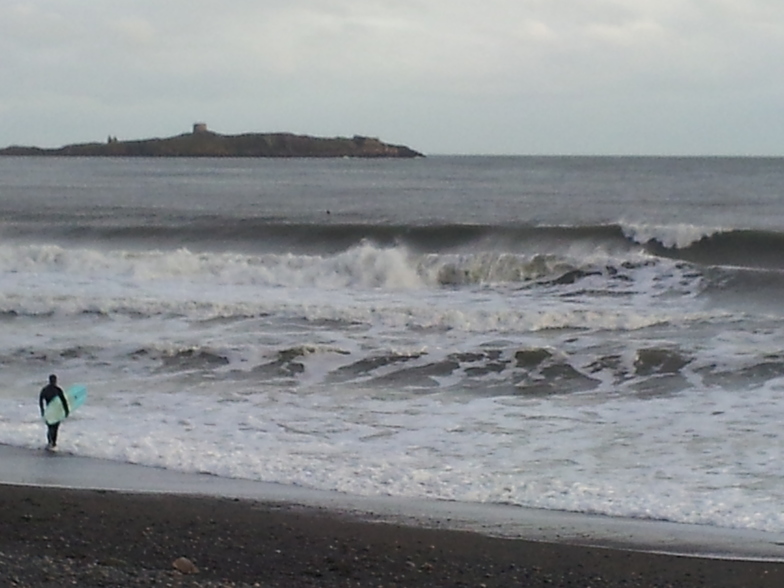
(55, 412)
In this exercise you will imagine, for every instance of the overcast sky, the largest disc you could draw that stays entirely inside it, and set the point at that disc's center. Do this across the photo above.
(660, 77)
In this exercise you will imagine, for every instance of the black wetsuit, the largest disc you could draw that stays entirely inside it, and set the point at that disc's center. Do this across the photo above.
(49, 393)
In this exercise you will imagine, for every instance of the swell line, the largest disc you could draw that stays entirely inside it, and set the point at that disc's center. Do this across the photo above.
(327, 237)
(739, 248)
(709, 246)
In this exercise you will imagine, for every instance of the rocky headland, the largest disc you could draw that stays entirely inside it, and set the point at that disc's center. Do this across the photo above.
(204, 143)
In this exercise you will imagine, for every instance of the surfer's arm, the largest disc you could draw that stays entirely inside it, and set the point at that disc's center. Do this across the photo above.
(61, 394)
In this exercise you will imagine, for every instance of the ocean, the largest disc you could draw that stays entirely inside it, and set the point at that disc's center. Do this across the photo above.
(600, 335)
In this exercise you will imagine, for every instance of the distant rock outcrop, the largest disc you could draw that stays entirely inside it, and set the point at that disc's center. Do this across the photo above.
(204, 143)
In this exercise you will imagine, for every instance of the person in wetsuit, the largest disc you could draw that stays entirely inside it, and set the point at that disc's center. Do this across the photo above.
(49, 393)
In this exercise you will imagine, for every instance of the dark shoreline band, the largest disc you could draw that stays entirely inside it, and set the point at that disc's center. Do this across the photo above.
(55, 536)
(66, 519)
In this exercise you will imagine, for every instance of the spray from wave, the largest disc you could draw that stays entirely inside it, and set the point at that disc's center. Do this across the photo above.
(366, 265)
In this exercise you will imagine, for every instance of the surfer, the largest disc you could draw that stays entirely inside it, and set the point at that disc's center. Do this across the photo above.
(49, 393)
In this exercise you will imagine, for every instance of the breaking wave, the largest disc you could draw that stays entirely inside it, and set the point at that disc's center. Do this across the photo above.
(703, 245)
(366, 265)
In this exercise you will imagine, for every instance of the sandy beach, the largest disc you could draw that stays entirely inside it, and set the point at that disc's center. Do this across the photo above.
(57, 531)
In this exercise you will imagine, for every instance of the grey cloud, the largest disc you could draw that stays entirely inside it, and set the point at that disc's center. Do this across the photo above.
(371, 65)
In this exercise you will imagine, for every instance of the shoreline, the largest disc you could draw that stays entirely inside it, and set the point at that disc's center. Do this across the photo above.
(29, 467)
(241, 533)
(57, 536)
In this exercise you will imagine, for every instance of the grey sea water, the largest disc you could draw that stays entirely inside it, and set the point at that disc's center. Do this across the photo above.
(587, 334)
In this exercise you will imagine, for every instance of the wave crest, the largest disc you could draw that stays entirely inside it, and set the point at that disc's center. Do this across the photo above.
(367, 266)
(678, 236)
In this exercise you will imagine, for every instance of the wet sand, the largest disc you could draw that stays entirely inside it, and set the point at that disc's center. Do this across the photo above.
(55, 536)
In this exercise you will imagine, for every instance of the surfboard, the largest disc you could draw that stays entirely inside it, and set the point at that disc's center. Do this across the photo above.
(55, 412)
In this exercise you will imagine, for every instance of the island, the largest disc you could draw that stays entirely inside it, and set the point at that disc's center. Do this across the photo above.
(202, 142)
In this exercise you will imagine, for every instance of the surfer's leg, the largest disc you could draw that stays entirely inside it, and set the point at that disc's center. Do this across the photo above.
(51, 434)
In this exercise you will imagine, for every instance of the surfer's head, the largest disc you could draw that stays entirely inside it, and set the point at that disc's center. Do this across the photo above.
(52, 379)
